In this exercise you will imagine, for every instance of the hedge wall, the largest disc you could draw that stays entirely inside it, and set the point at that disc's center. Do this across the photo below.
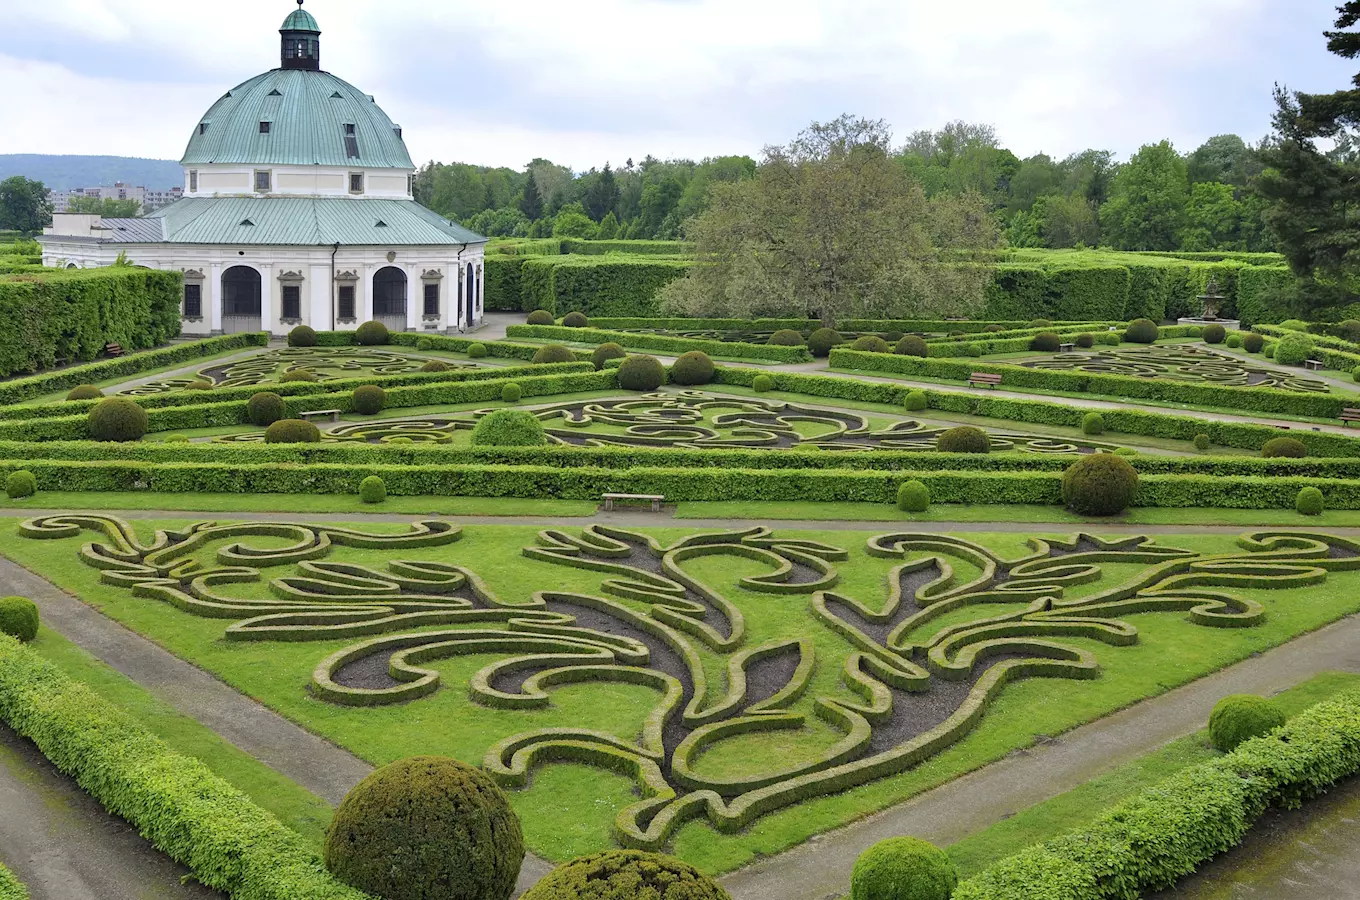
(1262, 292)
(22, 389)
(1147, 843)
(636, 248)
(502, 290)
(72, 315)
(597, 285)
(661, 343)
(175, 802)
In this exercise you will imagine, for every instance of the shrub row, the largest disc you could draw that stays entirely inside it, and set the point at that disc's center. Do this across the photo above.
(1333, 353)
(22, 389)
(597, 285)
(661, 343)
(494, 349)
(174, 801)
(1147, 843)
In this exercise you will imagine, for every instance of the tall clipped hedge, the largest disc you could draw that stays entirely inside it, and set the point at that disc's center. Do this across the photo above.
(72, 314)
(597, 285)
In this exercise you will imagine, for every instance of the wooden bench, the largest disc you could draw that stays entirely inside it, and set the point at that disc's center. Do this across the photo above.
(332, 414)
(1312, 365)
(983, 379)
(1348, 416)
(113, 349)
(611, 499)
(1066, 348)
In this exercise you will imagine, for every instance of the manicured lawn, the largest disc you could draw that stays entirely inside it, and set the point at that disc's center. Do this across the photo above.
(1083, 804)
(305, 504)
(568, 809)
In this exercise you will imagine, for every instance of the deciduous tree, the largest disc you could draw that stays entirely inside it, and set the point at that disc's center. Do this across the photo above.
(24, 205)
(1148, 200)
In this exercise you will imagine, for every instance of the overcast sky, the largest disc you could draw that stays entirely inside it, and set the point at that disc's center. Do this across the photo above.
(499, 83)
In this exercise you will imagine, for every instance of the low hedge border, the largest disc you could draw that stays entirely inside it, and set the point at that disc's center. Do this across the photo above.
(861, 326)
(174, 801)
(1150, 841)
(661, 343)
(1333, 353)
(22, 389)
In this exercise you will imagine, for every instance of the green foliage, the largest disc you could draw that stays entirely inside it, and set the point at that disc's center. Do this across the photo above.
(964, 439)
(1142, 331)
(424, 345)
(1310, 502)
(1045, 342)
(605, 352)
(73, 314)
(916, 401)
(575, 320)
(641, 373)
(1293, 349)
(691, 369)
(1241, 717)
(511, 393)
(369, 400)
(1202, 442)
(762, 383)
(1101, 484)
(626, 875)
(20, 484)
(372, 490)
(786, 337)
(1109, 339)
(913, 496)
(871, 343)
(436, 365)
(19, 618)
(265, 408)
(1085, 340)
(292, 431)
(11, 888)
(1252, 343)
(371, 334)
(1284, 448)
(552, 353)
(903, 868)
(821, 341)
(299, 375)
(1234, 340)
(175, 439)
(1148, 201)
(1093, 423)
(614, 285)
(84, 392)
(670, 344)
(24, 205)
(302, 336)
(200, 384)
(540, 317)
(509, 428)
(477, 351)
(912, 345)
(117, 419)
(1294, 325)
(1214, 334)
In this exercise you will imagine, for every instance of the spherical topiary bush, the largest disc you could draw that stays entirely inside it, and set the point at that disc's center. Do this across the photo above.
(626, 875)
(553, 353)
(302, 336)
(973, 350)
(1201, 442)
(1234, 340)
(692, 368)
(435, 365)
(1214, 334)
(964, 439)
(912, 345)
(892, 337)
(1269, 352)
(369, 400)
(1142, 331)
(84, 392)
(916, 401)
(1241, 717)
(509, 428)
(372, 490)
(821, 342)
(762, 383)
(426, 828)
(424, 345)
(1125, 451)
(1310, 502)
(1102, 484)
(292, 431)
(786, 337)
(117, 419)
(477, 351)
(371, 334)
(871, 343)
(540, 317)
(1284, 448)
(1252, 343)
(1093, 423)
(1293, 349)
(913, 496)
(605, 352)
(1085, 340)
(993, 329)
(511, 393)
(299, 375)
(1109, 339)
(1035, 323)
(903, 868)
(641, 373)
(1045, 342)
(1294, 325)
(20, 484)
(264, 408)
(19, 618)
(575, 320)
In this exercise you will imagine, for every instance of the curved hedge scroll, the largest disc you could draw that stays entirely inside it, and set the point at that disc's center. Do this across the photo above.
(326, 363)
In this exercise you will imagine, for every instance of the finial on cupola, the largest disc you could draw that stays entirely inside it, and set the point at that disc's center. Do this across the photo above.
(301, 41)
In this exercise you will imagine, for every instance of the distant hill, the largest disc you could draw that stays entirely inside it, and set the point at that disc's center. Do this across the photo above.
(62, 173)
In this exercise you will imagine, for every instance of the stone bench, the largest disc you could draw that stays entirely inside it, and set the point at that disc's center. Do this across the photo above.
(1312, 365)
(332, 415)
(983, 379)
(113, 349)
(611, 499)
(1066, 348)
(1348, 416)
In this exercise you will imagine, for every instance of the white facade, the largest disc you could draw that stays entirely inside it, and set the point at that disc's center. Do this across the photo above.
(299, 181)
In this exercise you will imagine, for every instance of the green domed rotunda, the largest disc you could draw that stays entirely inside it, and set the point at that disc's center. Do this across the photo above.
(298, 208)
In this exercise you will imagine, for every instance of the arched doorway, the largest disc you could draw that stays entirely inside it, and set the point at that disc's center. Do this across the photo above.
(389, 298)
(241, 292)
(471, 305)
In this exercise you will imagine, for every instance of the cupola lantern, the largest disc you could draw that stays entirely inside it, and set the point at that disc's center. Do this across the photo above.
(301, 41)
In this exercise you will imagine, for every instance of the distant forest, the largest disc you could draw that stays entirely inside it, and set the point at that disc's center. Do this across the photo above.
(62, 173)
